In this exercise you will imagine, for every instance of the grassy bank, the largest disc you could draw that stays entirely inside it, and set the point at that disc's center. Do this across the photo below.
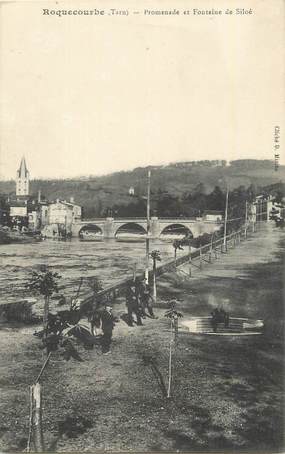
(227, 391)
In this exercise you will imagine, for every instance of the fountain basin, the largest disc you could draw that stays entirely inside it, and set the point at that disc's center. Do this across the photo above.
(236, 327)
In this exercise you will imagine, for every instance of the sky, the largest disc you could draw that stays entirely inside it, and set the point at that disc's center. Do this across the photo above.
(89, 95)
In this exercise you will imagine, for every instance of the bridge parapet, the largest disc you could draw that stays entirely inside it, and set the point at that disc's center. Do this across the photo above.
(109, 226)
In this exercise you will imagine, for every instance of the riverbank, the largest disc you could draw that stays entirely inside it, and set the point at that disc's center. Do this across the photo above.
(9, 237)
(227, 393)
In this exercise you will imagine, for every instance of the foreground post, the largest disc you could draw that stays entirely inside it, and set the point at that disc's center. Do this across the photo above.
(37, 417)
(170, 361)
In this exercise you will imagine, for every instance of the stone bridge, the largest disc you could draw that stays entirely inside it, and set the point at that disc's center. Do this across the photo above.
(159, 227)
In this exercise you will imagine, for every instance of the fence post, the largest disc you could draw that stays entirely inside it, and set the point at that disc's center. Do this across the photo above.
(135, 271)
(190, 262)
(215, 250)
(210, 250)
(201, 258)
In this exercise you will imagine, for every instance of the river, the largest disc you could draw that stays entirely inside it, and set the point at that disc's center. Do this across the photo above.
(108, 260)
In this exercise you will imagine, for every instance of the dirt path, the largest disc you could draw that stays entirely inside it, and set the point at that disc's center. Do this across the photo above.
(227, 394)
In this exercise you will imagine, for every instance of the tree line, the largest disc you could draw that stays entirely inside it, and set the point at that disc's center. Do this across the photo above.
(194, 204)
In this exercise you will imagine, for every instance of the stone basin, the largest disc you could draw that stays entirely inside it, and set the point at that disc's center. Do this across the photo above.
(236, 327)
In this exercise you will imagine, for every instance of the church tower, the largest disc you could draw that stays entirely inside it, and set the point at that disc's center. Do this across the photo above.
(22, 179)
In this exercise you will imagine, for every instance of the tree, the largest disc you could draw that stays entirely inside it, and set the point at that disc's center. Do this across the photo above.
(177, 244)
(155, 255)
(44, 283)
(173, 315)
(168, 205)
(56, 334)
(215, 200)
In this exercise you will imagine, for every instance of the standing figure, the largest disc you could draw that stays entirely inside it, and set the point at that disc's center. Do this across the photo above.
(95, 322)
(146, 298)
(107, 325)
(227, 320)
(215, 319)
(132, 303)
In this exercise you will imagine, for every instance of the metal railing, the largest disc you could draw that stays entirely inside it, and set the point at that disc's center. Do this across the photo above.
(210, 248)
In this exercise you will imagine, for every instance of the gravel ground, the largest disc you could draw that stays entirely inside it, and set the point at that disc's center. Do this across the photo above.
(227, 392)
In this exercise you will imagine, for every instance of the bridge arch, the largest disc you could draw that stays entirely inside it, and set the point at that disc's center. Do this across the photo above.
(91, 229)
(176, 230)
(130, 228)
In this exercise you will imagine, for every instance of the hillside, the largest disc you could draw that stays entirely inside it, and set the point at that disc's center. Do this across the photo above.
(96, 194)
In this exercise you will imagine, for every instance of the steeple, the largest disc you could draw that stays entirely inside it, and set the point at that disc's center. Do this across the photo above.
(22, 179)
(23, 171)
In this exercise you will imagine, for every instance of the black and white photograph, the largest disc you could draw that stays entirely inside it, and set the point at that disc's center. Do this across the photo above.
(142, 244)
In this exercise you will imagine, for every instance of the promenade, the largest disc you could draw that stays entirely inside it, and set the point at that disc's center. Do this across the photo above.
(227, 393)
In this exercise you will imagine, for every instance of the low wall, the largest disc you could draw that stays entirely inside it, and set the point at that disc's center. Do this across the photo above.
(21, 311)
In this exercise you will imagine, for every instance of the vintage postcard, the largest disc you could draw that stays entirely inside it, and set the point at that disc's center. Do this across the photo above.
(142, 196)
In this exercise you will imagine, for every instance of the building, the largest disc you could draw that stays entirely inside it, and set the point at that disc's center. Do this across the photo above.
(18, 211)
(24, 209)
(262, 207)
(35, 213)
(43, 213)
(4, 216)
(19, 208)
(18, 214)
(64, 213)
(212, 215)
(22, 180)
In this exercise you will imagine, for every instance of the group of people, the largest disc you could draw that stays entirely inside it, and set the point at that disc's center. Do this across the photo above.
(219, 315)
(139, 303)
